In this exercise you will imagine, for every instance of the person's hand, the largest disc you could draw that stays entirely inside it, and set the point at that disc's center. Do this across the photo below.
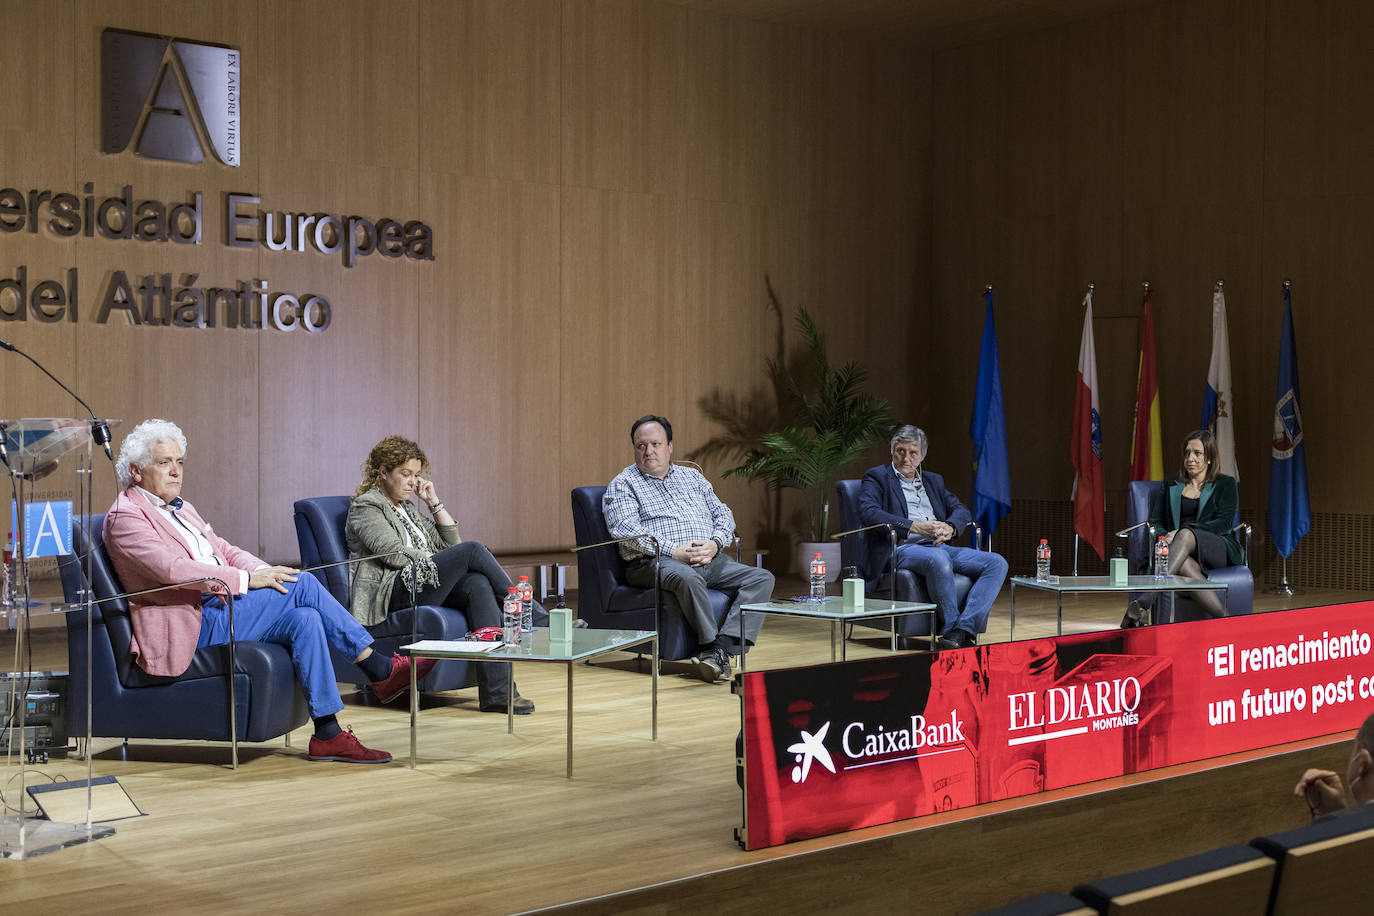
(696, 553)
(425, 490)
(1322, 790)
(272, 577)
(1169, 538)
(939, 532)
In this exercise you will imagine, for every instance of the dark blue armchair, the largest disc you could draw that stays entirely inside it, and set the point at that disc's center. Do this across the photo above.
(320, 533)
(1240, 596)
(127, 702)
(910, 587)
(605, 600)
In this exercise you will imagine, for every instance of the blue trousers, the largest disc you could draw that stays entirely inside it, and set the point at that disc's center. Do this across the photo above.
(306, 620)
(937, 566)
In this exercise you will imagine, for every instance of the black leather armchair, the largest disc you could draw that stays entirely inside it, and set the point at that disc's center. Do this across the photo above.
(320, 525)
(127, 702)
(1169, 607)
(605, 600)
(910, 587)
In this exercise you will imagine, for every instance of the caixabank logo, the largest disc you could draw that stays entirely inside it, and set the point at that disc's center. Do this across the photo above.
(169, 98)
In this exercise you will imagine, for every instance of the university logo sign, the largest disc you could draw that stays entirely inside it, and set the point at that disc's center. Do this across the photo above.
(168, 98)
(47, 528)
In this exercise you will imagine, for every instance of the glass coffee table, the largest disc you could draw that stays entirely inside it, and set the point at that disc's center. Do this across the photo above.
(1061, 584)
(834, 611)
(585, 645)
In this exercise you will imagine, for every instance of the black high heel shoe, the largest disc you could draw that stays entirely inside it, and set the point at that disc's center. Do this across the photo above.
(1136, 616)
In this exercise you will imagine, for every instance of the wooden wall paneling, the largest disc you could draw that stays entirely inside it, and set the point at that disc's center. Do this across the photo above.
(1195, 70)
(624, 66)
(728, 336)
(702, 131)
(344, 144)
(966, 245)
(205, 380)
(342, 80)
(324, 399)
(1319, 136)
(625, 337)
(761, 103)
(489, 352)
(490, 81)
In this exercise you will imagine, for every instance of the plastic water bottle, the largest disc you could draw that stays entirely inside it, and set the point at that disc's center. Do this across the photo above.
(817, 577)
(1042, 561)
(510, 617)
(526, 604)
(1161, 558)
(8, 586)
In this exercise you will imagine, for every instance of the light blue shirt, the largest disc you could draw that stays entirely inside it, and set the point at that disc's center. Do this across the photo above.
(918, 505)
(678, 508)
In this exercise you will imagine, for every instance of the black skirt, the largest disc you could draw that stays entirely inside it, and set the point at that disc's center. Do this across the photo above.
(1210, 551)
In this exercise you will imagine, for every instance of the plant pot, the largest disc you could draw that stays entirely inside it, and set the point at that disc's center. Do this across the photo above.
(829, 551)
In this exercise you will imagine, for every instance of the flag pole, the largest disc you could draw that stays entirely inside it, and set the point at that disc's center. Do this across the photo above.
(1284, 588)
(987, 288)
(1091, 286)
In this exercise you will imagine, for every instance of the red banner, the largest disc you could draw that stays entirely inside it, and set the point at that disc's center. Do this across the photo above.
(841, 746)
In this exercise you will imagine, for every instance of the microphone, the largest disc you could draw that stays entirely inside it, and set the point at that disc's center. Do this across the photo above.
(100, 430)
(836, 537)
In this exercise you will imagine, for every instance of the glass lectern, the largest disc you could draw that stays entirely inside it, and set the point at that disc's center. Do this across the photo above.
(48, 462)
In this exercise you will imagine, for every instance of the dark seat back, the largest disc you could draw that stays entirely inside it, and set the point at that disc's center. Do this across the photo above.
(853, 547)
(605, 600)
(601, 570)
(1233, 879)
(1322, 867)
(320, 534)
(321, 526)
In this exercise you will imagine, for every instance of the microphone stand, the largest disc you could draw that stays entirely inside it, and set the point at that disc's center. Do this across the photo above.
(100, 430)
(892, 535)
(658, 603)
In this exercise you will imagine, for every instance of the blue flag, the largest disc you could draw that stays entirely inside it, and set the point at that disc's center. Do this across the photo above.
(1289, 516)
(991, 474)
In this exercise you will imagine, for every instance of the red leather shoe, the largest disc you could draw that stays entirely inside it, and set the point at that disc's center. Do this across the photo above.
(345, 748)
(398, 681)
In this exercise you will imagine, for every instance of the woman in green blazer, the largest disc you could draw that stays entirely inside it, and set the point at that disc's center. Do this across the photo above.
(1195, 513)
(426, 556)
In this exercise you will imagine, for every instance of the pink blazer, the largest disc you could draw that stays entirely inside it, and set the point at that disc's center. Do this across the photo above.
(147, 552)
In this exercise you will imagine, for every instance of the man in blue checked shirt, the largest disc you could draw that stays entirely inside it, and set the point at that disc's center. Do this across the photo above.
(678, 506)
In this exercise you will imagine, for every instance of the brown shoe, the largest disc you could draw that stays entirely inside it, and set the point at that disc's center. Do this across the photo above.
(345, 748)
(398, 681)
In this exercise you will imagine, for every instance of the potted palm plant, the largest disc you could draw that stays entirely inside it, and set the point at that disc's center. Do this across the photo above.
(833, 423)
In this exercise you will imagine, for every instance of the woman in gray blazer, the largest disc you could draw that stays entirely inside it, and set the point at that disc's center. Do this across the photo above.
(433, 559)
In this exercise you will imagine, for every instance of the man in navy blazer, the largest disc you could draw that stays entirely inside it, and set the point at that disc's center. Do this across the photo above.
(927, 517)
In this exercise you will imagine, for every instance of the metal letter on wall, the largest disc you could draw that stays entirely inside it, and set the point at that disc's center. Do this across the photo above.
(169, 98)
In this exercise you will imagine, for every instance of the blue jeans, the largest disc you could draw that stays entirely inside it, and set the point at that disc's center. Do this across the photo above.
(306, 620)
(937, 566)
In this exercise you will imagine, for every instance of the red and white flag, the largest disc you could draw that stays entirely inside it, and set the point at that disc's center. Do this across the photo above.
(1089, 498)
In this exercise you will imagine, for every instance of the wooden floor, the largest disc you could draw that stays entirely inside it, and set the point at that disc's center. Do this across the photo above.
(486, 824)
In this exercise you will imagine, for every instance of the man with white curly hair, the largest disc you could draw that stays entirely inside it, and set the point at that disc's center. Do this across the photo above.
(156, 538)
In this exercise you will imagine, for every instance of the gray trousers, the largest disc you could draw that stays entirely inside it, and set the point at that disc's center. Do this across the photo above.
(689, 584)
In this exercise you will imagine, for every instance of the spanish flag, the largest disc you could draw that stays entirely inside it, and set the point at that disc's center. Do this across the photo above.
(1147, 460)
